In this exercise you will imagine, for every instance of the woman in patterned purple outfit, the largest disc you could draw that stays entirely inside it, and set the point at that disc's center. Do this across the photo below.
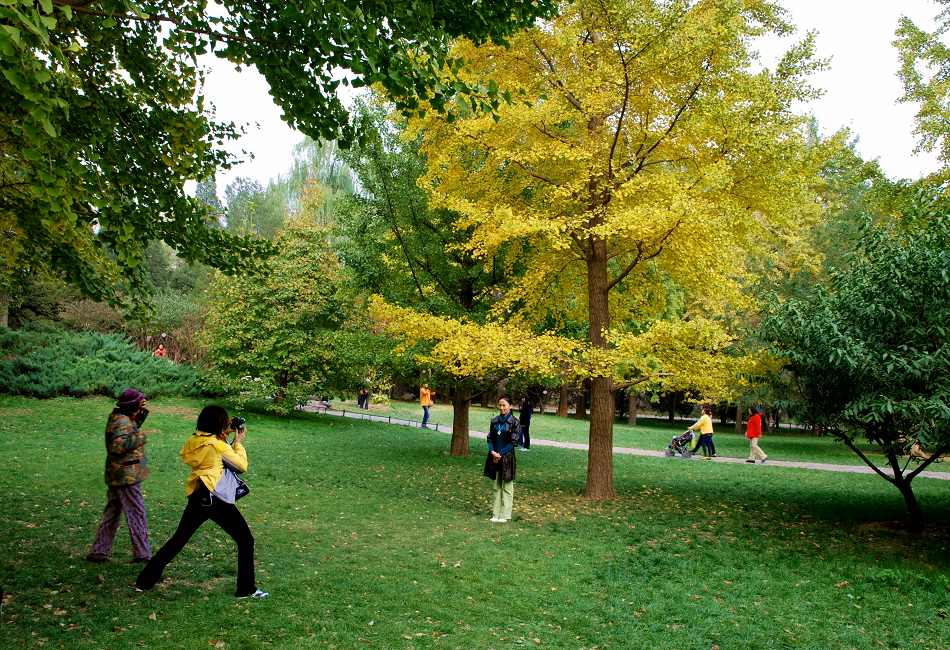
(126, 468)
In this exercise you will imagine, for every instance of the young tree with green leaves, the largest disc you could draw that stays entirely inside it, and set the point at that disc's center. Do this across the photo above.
(291, 330)
(870, 351)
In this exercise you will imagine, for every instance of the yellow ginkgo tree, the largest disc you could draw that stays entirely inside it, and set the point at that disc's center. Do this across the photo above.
(644, 147)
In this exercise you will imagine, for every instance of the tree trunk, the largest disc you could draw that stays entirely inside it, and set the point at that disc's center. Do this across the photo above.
(580, 401)
(633, 406)
(739, 417)
(460, 408)
(4, 309)
(915, 516)
(562, 402)
(600, 462)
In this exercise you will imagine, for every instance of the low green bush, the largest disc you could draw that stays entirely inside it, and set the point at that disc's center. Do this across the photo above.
(47, 364)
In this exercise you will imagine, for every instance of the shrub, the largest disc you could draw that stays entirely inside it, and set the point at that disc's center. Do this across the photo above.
(47, 364)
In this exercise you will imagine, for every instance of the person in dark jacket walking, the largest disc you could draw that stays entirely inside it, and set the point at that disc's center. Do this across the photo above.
(527, 407)
(500, 463)
(126, 468)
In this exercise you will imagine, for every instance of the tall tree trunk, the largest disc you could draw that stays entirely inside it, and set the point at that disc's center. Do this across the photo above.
(739, 417)
(4, 309)
(562, 402)
(633, 407)
(915, 516)
(580, 401)
(600, 461)
(461, 401)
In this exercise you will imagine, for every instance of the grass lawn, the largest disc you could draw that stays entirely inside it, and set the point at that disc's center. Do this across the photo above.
(369, 535)
(649, 434)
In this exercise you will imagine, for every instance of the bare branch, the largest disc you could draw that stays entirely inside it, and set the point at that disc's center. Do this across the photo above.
(540, 177)
(923, 465)
(568, 95)
(674, 121)
(850, 443)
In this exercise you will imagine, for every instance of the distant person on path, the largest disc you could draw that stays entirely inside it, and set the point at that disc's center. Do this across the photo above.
(362, 399)
(425, 400)
(126, 468)
(527, 406)
(211, 494)
(753, 432)
(500, 463)
(160, 351)
(705, 427)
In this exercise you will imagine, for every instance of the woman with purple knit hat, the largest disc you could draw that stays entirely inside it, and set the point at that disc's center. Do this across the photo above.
(126, 468)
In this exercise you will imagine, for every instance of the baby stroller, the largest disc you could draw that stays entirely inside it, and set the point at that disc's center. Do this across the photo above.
(683, 445)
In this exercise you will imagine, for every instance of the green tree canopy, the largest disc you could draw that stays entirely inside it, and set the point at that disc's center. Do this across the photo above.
(871, 350)
(102, 117)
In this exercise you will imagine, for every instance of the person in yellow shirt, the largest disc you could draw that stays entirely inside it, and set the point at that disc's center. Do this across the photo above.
(705, 427)
(212, 490)
(425, 400)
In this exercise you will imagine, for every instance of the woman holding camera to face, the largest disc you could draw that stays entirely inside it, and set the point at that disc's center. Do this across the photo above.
(211, 495)
(126, 468)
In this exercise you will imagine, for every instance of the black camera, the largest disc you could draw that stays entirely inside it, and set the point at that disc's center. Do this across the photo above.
(237, 423)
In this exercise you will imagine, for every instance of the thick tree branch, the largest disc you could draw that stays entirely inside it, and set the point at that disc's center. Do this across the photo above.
(641, 257)
(628, 384)
(534, 174)
(676, 118)
(850, 444)
(81, 8)
(923, 465)
(557, 83)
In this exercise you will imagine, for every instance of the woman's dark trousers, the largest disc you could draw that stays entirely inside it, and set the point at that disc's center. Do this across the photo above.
(706, 440)
(201, 507)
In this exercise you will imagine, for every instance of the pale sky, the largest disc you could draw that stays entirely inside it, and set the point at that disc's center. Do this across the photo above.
(861, 89)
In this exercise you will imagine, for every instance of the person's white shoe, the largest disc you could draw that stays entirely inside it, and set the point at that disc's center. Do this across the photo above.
(502, 521)
(256, 594)
(496, 520)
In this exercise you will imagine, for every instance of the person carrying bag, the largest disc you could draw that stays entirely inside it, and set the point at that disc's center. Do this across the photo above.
(212, 488)
(500, 464)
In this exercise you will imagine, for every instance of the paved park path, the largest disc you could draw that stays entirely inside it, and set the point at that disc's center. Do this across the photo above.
(632, 451)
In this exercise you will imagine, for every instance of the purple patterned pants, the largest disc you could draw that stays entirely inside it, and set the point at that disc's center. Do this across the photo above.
(127, 499)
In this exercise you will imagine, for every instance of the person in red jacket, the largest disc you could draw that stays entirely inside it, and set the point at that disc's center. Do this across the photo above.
(753, 432)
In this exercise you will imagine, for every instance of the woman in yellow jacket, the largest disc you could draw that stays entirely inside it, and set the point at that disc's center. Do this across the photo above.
(705, 427)
(211, 495)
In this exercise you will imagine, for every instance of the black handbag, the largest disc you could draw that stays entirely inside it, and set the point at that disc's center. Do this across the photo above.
(242, 489)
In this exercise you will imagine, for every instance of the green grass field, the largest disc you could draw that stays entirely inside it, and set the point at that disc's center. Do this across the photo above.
(369, 535)
(650, 434)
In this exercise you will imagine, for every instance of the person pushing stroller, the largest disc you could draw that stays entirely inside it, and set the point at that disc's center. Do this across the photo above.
(683, 445)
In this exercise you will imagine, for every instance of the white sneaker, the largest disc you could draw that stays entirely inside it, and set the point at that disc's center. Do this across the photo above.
(502, 521)
(256, 594)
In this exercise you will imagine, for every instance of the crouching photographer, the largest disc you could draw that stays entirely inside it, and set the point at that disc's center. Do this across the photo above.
(212, 488)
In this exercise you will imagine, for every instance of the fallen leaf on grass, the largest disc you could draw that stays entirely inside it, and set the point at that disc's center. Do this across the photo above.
(152, 617)
(842, 584)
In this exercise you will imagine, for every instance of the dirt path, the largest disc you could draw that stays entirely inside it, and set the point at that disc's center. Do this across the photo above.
(632, 451)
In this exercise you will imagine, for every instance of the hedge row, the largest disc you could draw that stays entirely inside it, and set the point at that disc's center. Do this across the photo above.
(47, 364)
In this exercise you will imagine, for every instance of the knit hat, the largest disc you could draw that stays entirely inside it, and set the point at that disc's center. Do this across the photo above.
(130, 398)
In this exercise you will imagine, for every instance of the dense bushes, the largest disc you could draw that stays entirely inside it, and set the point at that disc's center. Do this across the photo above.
(45, 364)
